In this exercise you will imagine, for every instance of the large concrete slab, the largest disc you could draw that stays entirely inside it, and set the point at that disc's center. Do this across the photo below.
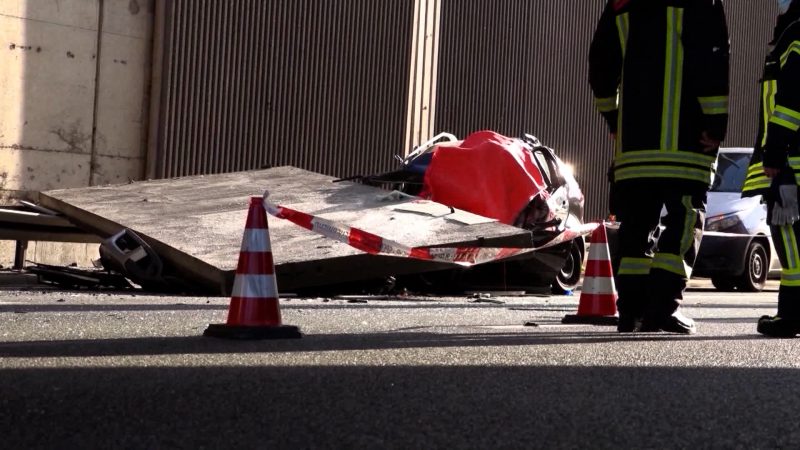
(196, 224)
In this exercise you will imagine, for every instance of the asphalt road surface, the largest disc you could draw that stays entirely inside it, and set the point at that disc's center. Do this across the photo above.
(114, 370)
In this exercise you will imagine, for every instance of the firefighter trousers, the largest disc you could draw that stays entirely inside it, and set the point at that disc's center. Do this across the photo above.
(655, 262)
(784, 238)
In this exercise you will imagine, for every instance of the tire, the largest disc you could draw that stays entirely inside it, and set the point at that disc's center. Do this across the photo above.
(569, 276)
(756, 268)
(724, 284)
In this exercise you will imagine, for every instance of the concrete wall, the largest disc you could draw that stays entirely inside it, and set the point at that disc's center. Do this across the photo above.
(74, 84)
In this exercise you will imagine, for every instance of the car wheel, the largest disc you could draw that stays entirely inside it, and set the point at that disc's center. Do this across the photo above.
(756, 267)
(725, 284)
(570, 274)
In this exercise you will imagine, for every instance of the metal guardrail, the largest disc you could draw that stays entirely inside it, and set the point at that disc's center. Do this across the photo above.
(21, 224)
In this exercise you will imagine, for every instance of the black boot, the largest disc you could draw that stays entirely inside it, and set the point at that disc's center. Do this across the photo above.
(674, 323)
(628, 322)
(778, 327)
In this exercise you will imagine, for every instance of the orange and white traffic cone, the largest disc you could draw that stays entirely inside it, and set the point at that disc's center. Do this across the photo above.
(254, 311)
(598, 302)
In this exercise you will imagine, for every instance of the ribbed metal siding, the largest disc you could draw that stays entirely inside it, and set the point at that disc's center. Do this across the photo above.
(750, 26)
(518, 66)
(320, 85)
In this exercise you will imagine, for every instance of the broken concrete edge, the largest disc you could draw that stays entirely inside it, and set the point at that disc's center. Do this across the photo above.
(192, 269)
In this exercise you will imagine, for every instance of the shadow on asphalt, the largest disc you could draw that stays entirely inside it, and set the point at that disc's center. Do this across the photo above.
(398, 407)
(330, 342)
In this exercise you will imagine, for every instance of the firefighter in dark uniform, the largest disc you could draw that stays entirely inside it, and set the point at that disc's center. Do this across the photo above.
(775, 167)
(659, 73)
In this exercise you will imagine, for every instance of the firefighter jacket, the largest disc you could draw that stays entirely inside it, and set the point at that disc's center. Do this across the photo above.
(659, 73)
(778, 142)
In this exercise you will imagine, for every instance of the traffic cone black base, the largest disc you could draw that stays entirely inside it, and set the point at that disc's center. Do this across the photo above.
(591, 320)
(221, 330)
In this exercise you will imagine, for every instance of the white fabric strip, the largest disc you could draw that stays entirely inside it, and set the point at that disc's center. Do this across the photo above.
(255, 286)
(598, 285)
(256, 240)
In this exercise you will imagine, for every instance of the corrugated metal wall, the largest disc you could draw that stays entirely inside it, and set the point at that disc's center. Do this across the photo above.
(750, 26)
(320, 85)
(522, 66)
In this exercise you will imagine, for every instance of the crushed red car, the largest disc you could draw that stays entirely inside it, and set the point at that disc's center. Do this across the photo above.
(517, 181)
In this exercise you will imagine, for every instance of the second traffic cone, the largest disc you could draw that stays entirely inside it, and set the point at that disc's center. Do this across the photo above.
(598, 302)
(254, 311)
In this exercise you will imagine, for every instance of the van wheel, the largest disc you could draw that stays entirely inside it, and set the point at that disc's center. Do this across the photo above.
(570, 274)
(756, 266)
(725, 284)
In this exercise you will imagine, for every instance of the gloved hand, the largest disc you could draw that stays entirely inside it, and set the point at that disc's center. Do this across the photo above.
(784, 200)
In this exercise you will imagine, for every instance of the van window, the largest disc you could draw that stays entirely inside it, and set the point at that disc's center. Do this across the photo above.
(731, 172)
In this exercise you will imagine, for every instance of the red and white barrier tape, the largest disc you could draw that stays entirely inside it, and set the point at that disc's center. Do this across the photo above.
(376, 245)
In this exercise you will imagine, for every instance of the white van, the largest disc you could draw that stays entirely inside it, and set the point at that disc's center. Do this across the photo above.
(736, 251)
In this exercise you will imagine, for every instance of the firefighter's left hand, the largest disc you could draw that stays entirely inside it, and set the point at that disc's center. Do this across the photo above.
(709, 144)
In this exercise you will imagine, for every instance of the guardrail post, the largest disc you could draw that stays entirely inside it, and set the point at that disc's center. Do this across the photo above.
(19, 255)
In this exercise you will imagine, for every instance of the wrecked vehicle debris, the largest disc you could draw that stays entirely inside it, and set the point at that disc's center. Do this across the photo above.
(516, 181)
(77, 278)
(195, 226)
(184, 234)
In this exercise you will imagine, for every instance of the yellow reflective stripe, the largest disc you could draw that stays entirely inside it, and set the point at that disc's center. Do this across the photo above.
(768, 90)
(795, 47)
(662, 157)
(618, 140)
(761, 182)
(684, 173)
(606, 104)
(794, 163)
(755, 178)
(687, 238)
(673, 80)
(623, 25)
(789, 241)
(671, 263)
(714, 105)
(785, 117)
(794, 115)
(790, 277)
(634, 266)
(755, 169)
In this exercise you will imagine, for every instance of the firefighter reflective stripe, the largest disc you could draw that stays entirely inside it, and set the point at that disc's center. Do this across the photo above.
(768, 90)
(795, 47)
(661, 164)
(755, 178)
(705, 162)
(714, 105)
(634, 266)
(794, 163)
(673, 80)
(790, 277)
(671, 263)
(785, 117)
(606, 104)
(683, 173)
(687, 238)
(623, 25)
(789, 243)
